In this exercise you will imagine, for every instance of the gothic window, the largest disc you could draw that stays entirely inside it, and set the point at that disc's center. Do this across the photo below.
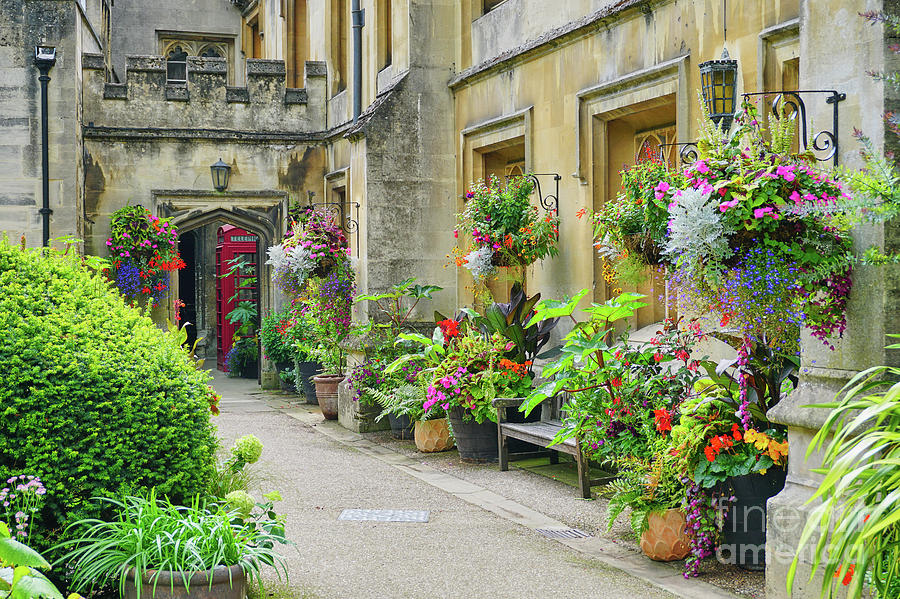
(656, 144)
(177, 47)
(211, 52)
(176, 65)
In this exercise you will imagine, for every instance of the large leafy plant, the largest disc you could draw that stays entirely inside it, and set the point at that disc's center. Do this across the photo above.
(854, 528)
(20, 571)
(75, 357)
(509, 320)
(148, 536)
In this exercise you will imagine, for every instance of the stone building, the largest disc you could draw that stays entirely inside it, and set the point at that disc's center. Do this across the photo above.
(392, 111)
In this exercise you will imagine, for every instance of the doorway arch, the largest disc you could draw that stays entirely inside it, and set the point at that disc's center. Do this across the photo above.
(202, 213)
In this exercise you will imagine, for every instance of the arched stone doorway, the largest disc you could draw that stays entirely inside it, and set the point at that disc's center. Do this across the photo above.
(198, 216)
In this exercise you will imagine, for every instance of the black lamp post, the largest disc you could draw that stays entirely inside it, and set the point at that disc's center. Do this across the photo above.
(44, 59)
(718, 82)
(220, 173)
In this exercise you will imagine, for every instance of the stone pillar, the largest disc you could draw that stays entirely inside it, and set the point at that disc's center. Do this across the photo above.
(875, 299)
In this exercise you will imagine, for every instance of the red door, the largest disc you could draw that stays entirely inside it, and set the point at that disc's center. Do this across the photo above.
(236, 281)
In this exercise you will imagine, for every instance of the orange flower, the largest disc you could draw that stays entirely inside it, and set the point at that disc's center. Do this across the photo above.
(580, 213)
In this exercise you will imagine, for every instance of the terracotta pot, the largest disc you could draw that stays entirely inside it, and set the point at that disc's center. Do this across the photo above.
(227, 583)
(665, 539)
(433, 435)
(327, 394)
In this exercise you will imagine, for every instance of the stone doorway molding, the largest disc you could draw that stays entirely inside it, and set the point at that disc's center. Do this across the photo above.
(261, 212)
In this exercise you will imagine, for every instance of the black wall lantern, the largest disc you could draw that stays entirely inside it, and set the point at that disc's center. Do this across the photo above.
(718, 82)
(220, 173)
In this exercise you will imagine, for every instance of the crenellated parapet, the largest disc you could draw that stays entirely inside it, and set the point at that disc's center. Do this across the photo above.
(205, 101)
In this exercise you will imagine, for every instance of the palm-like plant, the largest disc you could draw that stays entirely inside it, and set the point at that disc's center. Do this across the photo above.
(860, 495)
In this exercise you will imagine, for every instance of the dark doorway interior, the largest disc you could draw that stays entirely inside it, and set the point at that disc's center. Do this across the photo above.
(187, 283)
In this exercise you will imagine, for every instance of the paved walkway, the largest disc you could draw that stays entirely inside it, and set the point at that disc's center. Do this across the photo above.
(477, 543)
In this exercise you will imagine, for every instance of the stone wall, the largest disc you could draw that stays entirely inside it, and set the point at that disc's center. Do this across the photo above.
(24, 24)
(404, 147)
(147, 102)
(137, 27)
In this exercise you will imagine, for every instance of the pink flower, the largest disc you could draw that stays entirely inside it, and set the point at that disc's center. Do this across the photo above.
(796, 197)
(761, 212)
(726, 205)
(787, 172)
(661, 190)
(701, 167)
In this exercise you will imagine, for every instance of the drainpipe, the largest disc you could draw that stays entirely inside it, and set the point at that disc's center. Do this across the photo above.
(358, 16)
(44, 59)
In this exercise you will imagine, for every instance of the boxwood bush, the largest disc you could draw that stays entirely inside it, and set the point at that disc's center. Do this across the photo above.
(95, 399)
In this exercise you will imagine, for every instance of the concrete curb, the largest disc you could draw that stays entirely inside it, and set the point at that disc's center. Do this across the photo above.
(660, 575)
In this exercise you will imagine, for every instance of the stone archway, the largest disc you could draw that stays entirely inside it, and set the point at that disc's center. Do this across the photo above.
(261, 213)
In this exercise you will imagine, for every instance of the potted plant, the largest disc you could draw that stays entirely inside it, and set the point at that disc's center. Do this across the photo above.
(300, 334)
(431, 429)
(654, 493)
(242, 360)
(328, 303)
(275, 339)
(313, 247)
(143, 252)
(152, 548)
(631, 228)
(464, 372)
(506, 230)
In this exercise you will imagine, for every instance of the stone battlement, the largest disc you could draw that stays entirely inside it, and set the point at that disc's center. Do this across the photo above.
(205, 101)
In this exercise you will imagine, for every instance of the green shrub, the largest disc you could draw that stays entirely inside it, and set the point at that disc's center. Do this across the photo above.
(275, 337)
(95, 399)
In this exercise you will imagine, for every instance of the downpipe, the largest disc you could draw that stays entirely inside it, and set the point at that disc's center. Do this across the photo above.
(358, 16)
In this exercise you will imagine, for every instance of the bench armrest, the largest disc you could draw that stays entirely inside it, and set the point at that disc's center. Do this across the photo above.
(507, 402)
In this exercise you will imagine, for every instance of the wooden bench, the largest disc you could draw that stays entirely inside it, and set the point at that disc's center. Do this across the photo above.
(541, 433)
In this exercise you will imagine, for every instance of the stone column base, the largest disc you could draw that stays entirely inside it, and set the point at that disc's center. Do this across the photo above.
(359, 419)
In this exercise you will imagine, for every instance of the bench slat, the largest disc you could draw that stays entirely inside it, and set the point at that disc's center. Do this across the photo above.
(538, 433)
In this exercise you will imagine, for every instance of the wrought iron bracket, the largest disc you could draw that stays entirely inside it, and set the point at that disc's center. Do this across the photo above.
(823, 141)
(688, 152)
(343, 213)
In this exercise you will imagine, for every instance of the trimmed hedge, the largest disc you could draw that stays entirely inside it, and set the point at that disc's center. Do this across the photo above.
(95, 399)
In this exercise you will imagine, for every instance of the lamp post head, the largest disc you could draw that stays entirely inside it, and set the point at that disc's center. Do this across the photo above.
(44, 57)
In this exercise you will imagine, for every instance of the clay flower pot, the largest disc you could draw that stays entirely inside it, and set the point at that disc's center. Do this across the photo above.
(227, 583)
(665, 539)
(327, 394)
(433, 435)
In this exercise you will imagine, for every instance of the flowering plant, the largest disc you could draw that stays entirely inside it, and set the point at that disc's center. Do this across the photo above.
(759, 236)
(506, 230)
(630, 229)
(313, 248)
(464, 368)
(623, 397)
(144, 250)
(328, 304)
(20, 500)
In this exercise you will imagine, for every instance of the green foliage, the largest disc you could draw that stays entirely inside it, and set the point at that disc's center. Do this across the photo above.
(94, 398)
(405, 400)
(508, 320)
(860, 492)
(275, 336)
(393, 309)
(646, 486)
(20, 571)
(149, 534)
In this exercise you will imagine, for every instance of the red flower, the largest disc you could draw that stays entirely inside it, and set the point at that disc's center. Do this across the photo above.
(725, 318)
(710, 454)
(146, 290)
(682, 355)
(736, 432)
(450, 329)
(716, 444)
(581, 213)
(616, 382)
(848, 577)
(657, 357)
(663, 420)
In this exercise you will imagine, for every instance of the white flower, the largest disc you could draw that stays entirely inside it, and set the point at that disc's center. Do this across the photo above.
(478, 261)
